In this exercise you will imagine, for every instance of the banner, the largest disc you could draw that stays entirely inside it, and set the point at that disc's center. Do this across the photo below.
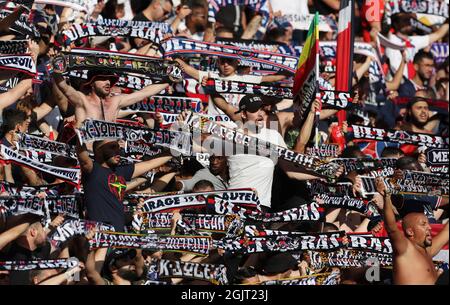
(13, 46)
(29, 142)
(134, 148)
(153, 204)
(369, 243)
(364, 165)
(260, 147)
(338, 189)
(399, 136)
(323, 151)
(191, 244)
(437, 160)
(164, 268)
(162, 26)
(153, 67)
(430, 7)
(227, 86)
(323, 279)
(19, 63)
(169, 104)
(22, 25)
(345, 258)
(95, 130)
(79, 31)
(42, 264)
(68, 174)
(316, 241)
(264, 60)
(355, 204)
(440, 51)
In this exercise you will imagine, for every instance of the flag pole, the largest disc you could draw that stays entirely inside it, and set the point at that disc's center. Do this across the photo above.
(317, 117)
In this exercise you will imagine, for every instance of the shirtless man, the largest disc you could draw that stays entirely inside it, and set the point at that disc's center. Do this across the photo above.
(99, 103)
(413, 248)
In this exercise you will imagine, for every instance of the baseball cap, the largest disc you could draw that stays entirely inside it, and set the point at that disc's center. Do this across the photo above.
(250, 103)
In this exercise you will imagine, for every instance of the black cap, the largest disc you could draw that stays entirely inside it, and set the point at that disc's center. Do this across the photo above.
(250, 103)
(95, 73)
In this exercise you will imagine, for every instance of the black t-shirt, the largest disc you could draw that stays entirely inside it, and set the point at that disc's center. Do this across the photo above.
(140, 17)
(18, 253)
(103, 194)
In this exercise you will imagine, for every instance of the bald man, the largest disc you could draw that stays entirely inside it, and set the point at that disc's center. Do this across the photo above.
(414, 248)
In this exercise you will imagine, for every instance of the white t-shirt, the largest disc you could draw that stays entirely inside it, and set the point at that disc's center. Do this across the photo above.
(293, 7)
(232, 99)
(252, 171)
(395, 56)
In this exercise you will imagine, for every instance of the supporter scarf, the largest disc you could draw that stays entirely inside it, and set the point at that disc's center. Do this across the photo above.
(135, 82)
(22, 25)
(317, 241)
(409, 186)
(345, 258)
(191, 244)
(399, 136)
(170, 118)
(418, 25)
(336, 99)
(429, 7)
(74, 227)
(323, 151)
(154, 204)
(148, 283)
(266, 60)
(79, 31)
(274, 47)
(323, 279)
(437, 160)
(210, 223)
(9, 84)
(426, 178)
(228, 86)
(23, 265)
(440, 51)
(27, 191)
(78, 5)
(141, 148)
(168, 104)
(29, 142)
(359, 165)
(355, 204)
(253, 231)
(306, 212)
(162, 26)
(18, 63)
(261, 147)
(338, 189)
(95, 130)
(18, 205)
(164, 268)
(183, 228)
(38, 156)
(369, 243)
(68, 174)
(149, 66)
(13, 46)
(385, 172)
(440, 106)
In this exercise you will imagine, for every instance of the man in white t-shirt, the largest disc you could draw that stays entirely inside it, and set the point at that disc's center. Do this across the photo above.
(250, 170)
(403, 35)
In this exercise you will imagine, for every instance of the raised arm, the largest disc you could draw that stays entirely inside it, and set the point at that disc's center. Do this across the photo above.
(143, 167)
(398, 239)
(189, 70)
(86, 163)
(10, 97)
(306, 130)
(75, 97)
(395, 83)
(223, 105)
(439, 34)
(126, 100)
(439, 241)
